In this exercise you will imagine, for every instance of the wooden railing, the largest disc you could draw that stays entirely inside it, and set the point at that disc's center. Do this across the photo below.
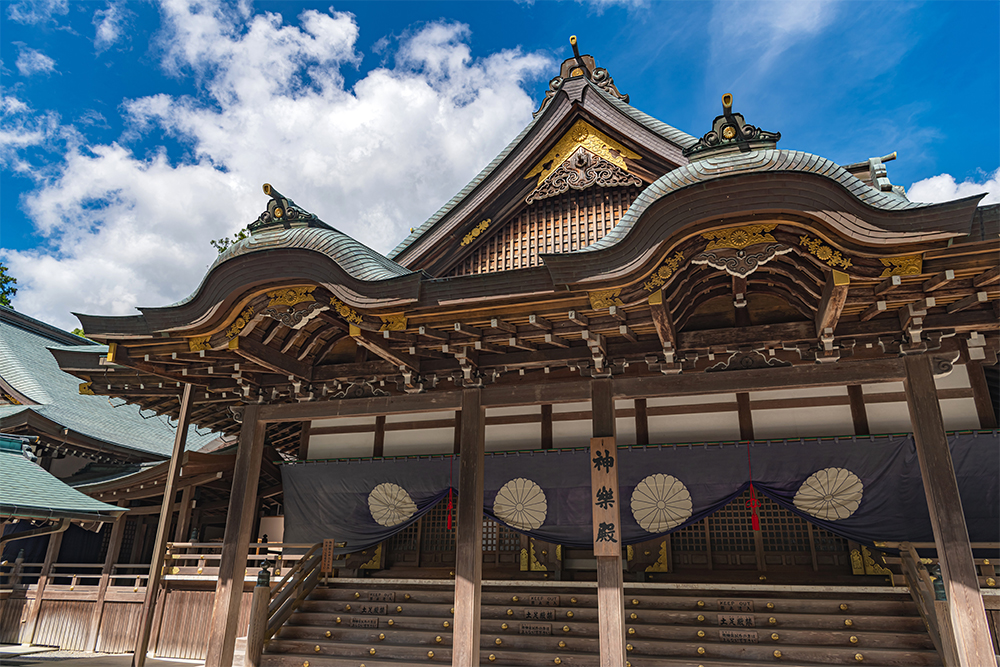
(200, 560)
(73, 576)
(273, 605)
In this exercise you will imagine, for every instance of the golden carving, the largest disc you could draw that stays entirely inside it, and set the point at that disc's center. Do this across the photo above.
(663, 273)
(630, 553)
(84, 389)
(589, 137)
(345, 311)
(535, 565)
(857, 565)
(661, 564)
(376, 561)
(199, 343)
(605, 298)
(825, 253)
(738, 238)
(476, 231)
(290, 296)
(991, 582)
(241, 322)
(394, 322)
(910, 265)
(524, 560)
(13, 401)
(871, 567)
(559, 552)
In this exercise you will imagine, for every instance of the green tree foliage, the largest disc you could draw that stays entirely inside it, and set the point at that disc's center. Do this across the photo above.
(7, 286)
(225, 242)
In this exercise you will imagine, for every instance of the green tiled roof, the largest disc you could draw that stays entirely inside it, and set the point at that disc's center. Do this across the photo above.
(28, 366)
(27, 491)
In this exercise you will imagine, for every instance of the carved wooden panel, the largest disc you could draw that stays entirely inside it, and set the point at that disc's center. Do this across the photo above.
(555, 225)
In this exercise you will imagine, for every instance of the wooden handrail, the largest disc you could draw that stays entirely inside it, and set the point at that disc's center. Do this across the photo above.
(932, 610)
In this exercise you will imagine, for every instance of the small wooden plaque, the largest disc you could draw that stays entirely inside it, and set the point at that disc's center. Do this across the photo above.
(326, 561)
(364, 622)
(603, 464)
(736, 620)
(739, 606)
(535, 629)
(543, 600)
(375, 609)
(738, 636)
(538, 614)
(381, 596)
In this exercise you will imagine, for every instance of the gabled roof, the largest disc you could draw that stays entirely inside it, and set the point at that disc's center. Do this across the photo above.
(27, 491)
(553, 114)
(51, 400)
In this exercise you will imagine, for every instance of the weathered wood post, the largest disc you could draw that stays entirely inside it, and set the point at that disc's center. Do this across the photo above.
(951, 536)
(15, 572)
(258, 618)
(114, 545)
(610, 587)
(160, 545)
(51, 556)
(469, 542)
(236, 540)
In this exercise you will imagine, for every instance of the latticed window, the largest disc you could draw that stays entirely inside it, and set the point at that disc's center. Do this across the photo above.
(780, 529)
(435, 535)
(731, 528)
(406, 539)
(827, 541)
(691, 538)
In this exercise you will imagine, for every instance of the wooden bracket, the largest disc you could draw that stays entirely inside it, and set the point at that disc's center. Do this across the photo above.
(832, 302)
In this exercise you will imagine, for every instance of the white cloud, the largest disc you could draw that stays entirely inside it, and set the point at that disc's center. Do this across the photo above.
(36, 11)
(944, 187)
(372, 160)
(30, 61)
(109, 25)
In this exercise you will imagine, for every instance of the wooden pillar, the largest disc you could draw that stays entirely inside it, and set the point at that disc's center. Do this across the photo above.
(469, 542)
(182, 530)
(641, 422)
(859, 413)
(981, 395)
(547, 426)
(951, 537)
(610, 588)
(304, 441)
(166, 514)
(379, 447)
(51, 556)
(236, 541)
(114, 545)
(745, 416)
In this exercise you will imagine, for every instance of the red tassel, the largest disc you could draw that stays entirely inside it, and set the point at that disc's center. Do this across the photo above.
(754, 517)
(449, 509)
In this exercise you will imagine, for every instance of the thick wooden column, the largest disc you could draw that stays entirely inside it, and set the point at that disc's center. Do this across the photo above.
(160, 545)
(236, 541)
(114, 546)
(951, 537)
(859, 413)
(981, 394)
(469, 542)
(182, 529)
(51, 556)
(610, 588)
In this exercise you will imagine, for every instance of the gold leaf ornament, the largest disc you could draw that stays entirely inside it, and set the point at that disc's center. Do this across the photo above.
(199, 343)
(290, 296)
(394, 322)
(476, 231)
(908, 265)
(241, 322)
(345, 311)
(738, 238)
(605, 298)
(664, 272)
(586, 135)
(824, 253)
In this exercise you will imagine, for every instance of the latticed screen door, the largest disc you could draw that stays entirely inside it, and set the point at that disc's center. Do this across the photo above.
(501, 545)
(437, 543)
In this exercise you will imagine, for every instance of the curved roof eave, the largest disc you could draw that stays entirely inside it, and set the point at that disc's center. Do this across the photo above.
(900, 221)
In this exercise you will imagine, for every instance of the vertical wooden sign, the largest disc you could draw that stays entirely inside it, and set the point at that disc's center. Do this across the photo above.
(326, 561)
(604, 496)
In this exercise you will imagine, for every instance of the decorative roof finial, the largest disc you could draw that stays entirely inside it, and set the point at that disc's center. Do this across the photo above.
(282, 211)
(731, 133)
(581, 66)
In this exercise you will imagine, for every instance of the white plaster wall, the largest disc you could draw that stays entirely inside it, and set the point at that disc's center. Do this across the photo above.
(661, 401)
(958, 413)
(507, 437)
(341, 445)
(802, 422)
(273, 527)
(695, 427)
(624, 426)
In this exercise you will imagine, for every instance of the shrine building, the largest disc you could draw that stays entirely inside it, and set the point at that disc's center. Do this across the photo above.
(633, 396)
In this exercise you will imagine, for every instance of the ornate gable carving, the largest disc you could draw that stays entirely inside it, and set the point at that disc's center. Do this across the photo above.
(582, 170)
(585, 135)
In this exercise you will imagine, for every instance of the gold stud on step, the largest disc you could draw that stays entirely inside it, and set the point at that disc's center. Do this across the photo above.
(774, 636)
(515, 599)
(562, 644)
(305, 664)
(347, 607)
(406, 596)
(859, 657)
(848, 622)
(510, 612)
(329, 634)
(504, 626)
(770, 605)
(701, 633)
(391, 622)
(338, 620)
(843, 606)
(700, 618)
(628, 647)
(701, 603)
(569, 614)
(381, 636)
(573, 600)
(777, 654)
(357, 595)
(438, 639)
(565, 628)
(452, 610)
(633, 616)
(492, 658)
(634, 601)
(399, 610)
(317, 649)
(557, 661)
(772, 621)
(498, 641)
(701, 650)
(445, 624)
(854, 640)
(430, 654)
(631, 631)
(371, 651)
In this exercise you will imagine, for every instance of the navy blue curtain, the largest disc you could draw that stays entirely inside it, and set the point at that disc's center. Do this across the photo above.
(332, 499)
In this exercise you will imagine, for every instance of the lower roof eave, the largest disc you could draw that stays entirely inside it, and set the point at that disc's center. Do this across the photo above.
(53, 513)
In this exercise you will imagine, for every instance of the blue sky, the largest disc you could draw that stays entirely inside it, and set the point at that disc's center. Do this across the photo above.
(132, 133)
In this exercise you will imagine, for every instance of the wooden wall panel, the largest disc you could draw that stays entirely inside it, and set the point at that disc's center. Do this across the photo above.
(187, 619)
(64, 623)
(119, 627)
(11, 613)
(560, 224)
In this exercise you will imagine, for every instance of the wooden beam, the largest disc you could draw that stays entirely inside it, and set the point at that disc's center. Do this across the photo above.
(873, 310)
(181, 530)
(938, 280)
(114, 546)
(552, 339)
(971, 636)
(304, 435)
(364, 339)
(539, 322)
(987, 277)
(832, 302)
(546, 426)
(662, 321)
(578, 318)
(889, 283)
(859, 413)
(610, 589)
(163, 527)
(469, 541)
(270, 359)
(745, 415)
(967, 302)
(379, 448)
(641, 422)
(239, 524)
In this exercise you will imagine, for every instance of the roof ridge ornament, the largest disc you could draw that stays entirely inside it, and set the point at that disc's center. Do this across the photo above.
(283, 212)
(580, 66)
(731, 133)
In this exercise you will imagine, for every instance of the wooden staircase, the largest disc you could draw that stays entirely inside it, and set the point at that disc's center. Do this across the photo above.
(382, 623)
